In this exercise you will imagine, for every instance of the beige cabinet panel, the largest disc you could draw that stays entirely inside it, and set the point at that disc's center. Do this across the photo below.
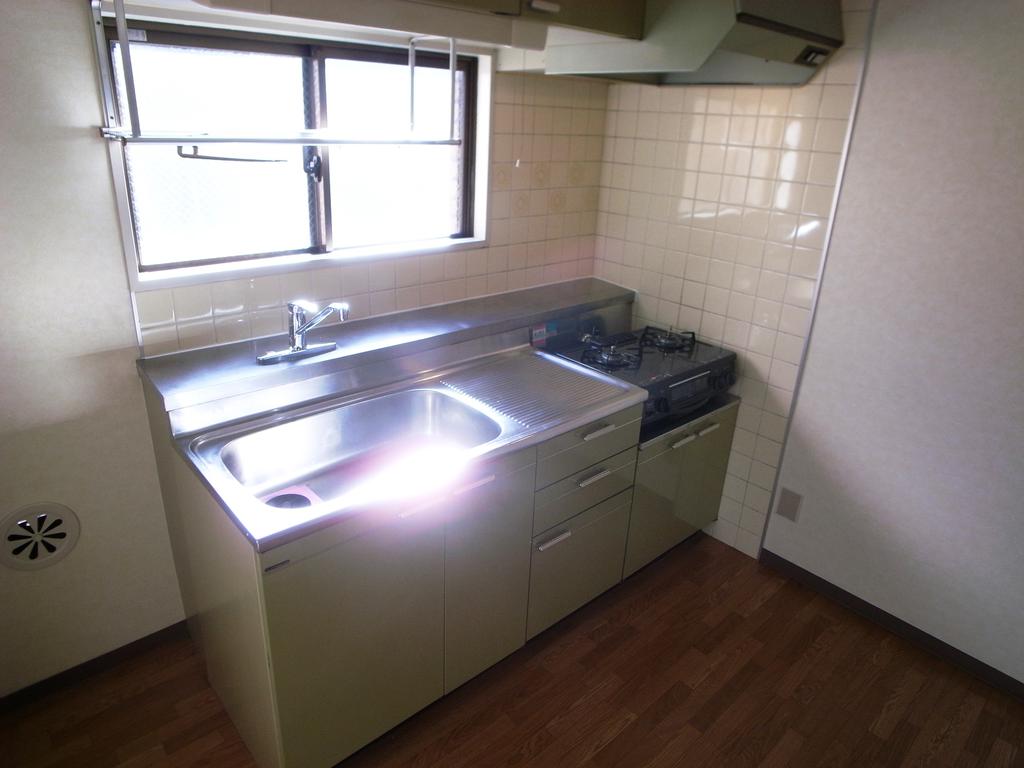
(679, 481)
(614, 17)
(506, 7)
(575, 562)
(576, 450)
(567, 498)
(356, 639)
(486, 575)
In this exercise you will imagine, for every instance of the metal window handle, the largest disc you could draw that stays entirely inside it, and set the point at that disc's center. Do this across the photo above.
(473, 486)
(196, 155)
(599, 432)
(684, 441)
(708, 430)
(594, 478)
(552, 542)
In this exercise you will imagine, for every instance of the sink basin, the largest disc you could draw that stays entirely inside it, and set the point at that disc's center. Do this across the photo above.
(391, 440)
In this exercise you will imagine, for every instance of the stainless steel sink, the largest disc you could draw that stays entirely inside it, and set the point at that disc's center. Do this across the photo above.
(394, 450)
(329, 453)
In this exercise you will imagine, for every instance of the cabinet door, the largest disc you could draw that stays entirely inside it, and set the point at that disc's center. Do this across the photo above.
(486, 574)
(614, 17)
(504, 7)
(678, 487)
(575, 562)
(356, 638)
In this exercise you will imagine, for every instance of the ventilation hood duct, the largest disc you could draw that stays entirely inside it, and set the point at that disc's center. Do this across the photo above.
(780, 42)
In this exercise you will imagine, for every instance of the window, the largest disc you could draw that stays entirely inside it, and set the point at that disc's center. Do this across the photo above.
(211, 203)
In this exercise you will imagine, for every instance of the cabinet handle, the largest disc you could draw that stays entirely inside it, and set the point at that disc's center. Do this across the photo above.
(600, 431)
(684, 441)
(472, 486)
(708, 430)
(594, 478)
(557, 540)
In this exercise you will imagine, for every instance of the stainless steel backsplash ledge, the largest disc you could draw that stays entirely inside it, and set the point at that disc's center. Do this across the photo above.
(204, 376)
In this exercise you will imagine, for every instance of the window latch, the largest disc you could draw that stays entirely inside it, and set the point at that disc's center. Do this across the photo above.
(315, 167)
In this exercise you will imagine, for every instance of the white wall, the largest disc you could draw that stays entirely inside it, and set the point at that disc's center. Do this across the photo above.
(72, 422)
(908, 433)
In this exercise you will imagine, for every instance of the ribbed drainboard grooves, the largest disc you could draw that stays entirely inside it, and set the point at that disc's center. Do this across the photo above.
(530, 389)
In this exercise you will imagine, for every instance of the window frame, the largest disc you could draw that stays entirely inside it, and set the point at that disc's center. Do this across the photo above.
(315, 52)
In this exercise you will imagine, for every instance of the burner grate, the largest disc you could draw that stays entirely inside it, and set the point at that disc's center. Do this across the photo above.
(668, 340)
(610, 358)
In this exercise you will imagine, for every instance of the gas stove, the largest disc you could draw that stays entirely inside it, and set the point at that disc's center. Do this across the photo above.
(680, 373)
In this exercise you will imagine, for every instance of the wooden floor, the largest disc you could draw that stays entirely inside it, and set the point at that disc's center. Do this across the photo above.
(703, 659)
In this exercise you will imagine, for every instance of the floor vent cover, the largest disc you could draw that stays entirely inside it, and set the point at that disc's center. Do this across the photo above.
(38, 535)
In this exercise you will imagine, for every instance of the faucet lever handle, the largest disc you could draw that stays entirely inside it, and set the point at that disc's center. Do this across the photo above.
(342, 307)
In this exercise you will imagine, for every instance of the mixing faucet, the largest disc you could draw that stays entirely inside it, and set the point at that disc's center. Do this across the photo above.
(299, 326)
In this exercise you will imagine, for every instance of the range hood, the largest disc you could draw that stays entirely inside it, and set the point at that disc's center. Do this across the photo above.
(780, 42)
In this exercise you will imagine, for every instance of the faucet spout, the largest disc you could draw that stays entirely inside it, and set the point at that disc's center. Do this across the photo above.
(341, 307)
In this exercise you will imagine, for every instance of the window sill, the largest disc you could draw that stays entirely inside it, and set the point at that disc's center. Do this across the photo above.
(240, 270)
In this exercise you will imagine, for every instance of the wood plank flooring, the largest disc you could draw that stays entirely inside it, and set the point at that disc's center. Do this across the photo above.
(704, 658)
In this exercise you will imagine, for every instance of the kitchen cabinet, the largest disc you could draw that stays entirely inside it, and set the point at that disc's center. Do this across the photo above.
(679, 480)
(487, 567)
(576, 561)
(321, 644)
(583, 447)
(581, 514)
(624, 18)
(505, 7)
(355, 638)
(582, 490)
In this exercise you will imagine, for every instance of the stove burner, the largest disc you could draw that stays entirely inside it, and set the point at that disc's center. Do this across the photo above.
(668, 341)
(609, 357)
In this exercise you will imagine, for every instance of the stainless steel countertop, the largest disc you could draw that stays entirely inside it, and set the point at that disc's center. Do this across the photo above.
(532, 396)
(184, 379)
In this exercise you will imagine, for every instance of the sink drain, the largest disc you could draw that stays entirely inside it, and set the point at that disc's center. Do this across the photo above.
(38, 535)
(289, 501)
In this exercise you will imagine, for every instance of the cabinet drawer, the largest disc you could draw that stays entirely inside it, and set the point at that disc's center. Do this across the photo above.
(576, 450)
(575, 562)
(566, 498)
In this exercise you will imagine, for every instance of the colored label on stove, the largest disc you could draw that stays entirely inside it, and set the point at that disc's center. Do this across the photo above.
(539, 334)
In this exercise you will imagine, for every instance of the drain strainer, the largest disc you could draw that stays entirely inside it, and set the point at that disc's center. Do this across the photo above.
(38, 535)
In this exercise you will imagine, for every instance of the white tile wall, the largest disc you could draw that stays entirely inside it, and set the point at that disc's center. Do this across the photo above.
(714, 205)
(547, 144)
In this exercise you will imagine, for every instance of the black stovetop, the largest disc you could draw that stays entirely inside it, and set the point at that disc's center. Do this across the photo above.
(647, 356)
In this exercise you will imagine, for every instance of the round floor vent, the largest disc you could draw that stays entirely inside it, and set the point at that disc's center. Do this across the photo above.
(38, 535)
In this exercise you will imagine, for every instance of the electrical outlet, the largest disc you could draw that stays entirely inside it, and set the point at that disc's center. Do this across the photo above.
(789, 504)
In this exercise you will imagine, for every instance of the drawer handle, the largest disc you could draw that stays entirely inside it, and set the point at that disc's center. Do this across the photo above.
(473, 486)
(552, 542)
(708, 430)
(599, 432)
(684, 441)
(594, 478)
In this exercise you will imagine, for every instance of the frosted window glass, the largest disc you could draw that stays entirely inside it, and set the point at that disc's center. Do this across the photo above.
(191, 90)
(188, 210)
(196, 210)
(391, 194)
